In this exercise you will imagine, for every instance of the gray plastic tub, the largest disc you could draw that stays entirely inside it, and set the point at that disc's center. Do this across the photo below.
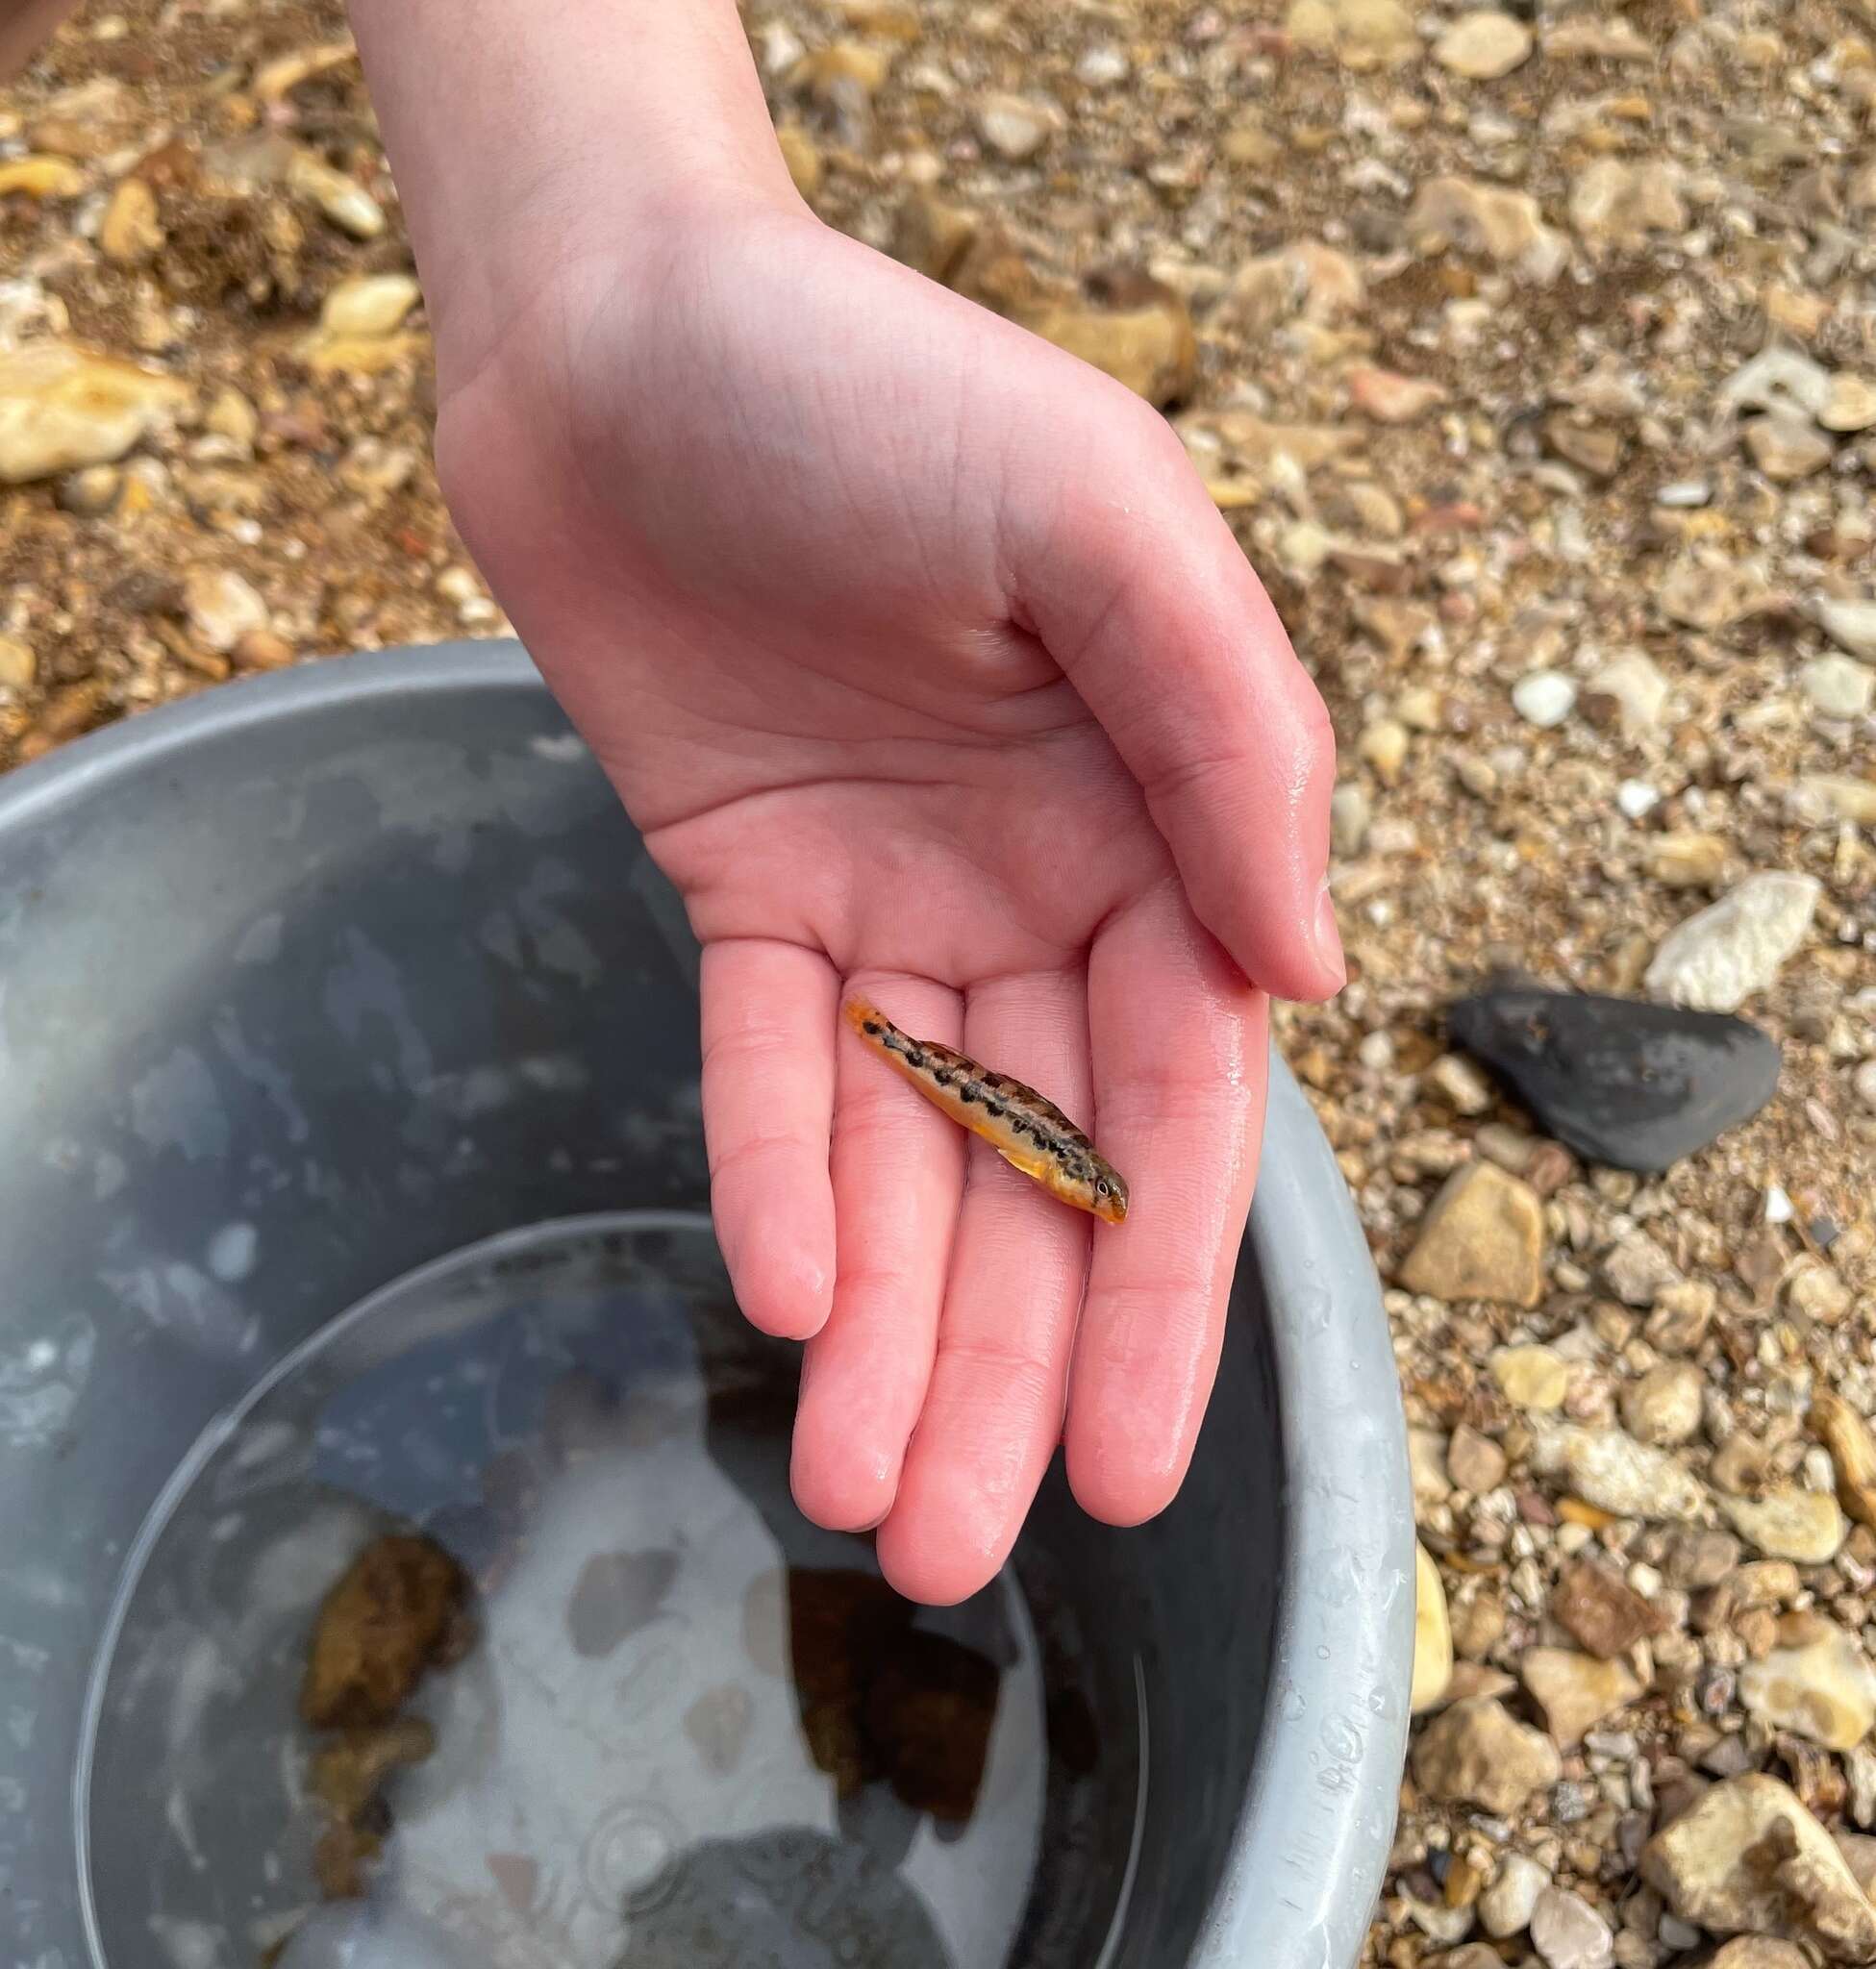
(330, 977)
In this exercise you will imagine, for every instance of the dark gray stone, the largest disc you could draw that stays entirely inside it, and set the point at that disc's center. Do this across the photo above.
(1621, 1081)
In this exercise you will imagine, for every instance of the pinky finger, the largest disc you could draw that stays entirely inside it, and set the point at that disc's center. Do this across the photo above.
(769, 1103)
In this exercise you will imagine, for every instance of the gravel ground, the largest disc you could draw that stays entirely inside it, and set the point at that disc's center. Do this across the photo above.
(1534, 360)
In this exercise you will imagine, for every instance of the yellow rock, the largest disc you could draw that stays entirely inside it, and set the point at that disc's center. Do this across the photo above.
(360, 355)
(1575, 1691)
(370, 305)
(130, 232)
(19, 666)
(63, 407)
(1362, 34)
(1685, 859)
(1151, 348)
(1384, 744)
(1817, 1681)
(1432, 1634)
(1483, 45)
(273, 80)
(1853, 1453)
(343, 200)
(1482, 1239)
(1534, 1378)
(41, 177)
(1851, 404)
(1802, 1525)
(803, 159)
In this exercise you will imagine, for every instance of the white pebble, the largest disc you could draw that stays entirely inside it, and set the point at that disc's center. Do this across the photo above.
(1102, 66)
(1543, 698)
(1636, 798)
(1778, 1205)
(1864, 1084)
(1684, 492)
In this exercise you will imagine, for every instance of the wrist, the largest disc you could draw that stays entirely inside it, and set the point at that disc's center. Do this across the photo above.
(532, 138)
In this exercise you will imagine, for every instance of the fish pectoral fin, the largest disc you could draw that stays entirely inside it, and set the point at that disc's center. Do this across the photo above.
(1034, 1167)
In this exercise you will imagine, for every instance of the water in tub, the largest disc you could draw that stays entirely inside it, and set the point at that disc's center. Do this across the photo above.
(653, 1755)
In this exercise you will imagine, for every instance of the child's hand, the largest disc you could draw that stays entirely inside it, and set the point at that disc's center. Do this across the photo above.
(921, 658)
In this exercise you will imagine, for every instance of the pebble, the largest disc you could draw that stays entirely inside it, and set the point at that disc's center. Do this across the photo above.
(1350, 812)
(1363, 35)
(1015, 128)
(1701, 594)
(1601, 1611)
(131, 233)
(1543, 698)
(1635, 1269)
(1838, 686)
(1384, 746)
(1850, 404)
(1507, 1905)
(369, 305)
(1488, 219)
(1482, 1237)
(1719, 1866)
(1663, 1407)
(1851, 625)
(1388, 398)
(1630, 691)
(1568, 1933)
(342, 200)
(63, 407)
(1718, 960)
(1683, 494)
(1819, 798)
(222, 607)
(1698, 1559)
(1802, 1525)
(1101, 68)
(1759, 1952)
(1575, 1691)
(1818, 1682)
(41, 177)
(1685, 859)
(1852, 1448)
(1532, 1378)
(1148, 347)
(1474, 1463)
(1615, 204)
(1618, 1475)
(1785, 448)
(1432, 1633)
(19, 666)
(1484, 45)
(1477, 1753)
(1426, 1464)
(1623, 1082)
(1460, 1083)
(802, 157)
(1781, 379)
(232, 416)
(1863, 1081)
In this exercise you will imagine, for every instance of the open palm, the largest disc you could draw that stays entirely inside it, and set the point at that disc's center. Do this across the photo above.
(920, 658)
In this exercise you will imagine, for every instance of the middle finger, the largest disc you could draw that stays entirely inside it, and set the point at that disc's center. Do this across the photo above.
(993, 1409)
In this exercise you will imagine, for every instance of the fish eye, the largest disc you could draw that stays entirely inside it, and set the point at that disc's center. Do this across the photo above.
(1105, 1188)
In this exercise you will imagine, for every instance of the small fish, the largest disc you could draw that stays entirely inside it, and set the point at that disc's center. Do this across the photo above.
(1029, 1132)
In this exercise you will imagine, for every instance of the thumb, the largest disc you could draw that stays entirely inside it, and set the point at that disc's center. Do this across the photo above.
(1141, 594)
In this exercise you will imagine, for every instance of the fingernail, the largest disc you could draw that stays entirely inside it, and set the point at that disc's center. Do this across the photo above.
(1328, 936)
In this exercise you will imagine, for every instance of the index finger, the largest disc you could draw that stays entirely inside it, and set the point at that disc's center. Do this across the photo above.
(1180, 1058)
